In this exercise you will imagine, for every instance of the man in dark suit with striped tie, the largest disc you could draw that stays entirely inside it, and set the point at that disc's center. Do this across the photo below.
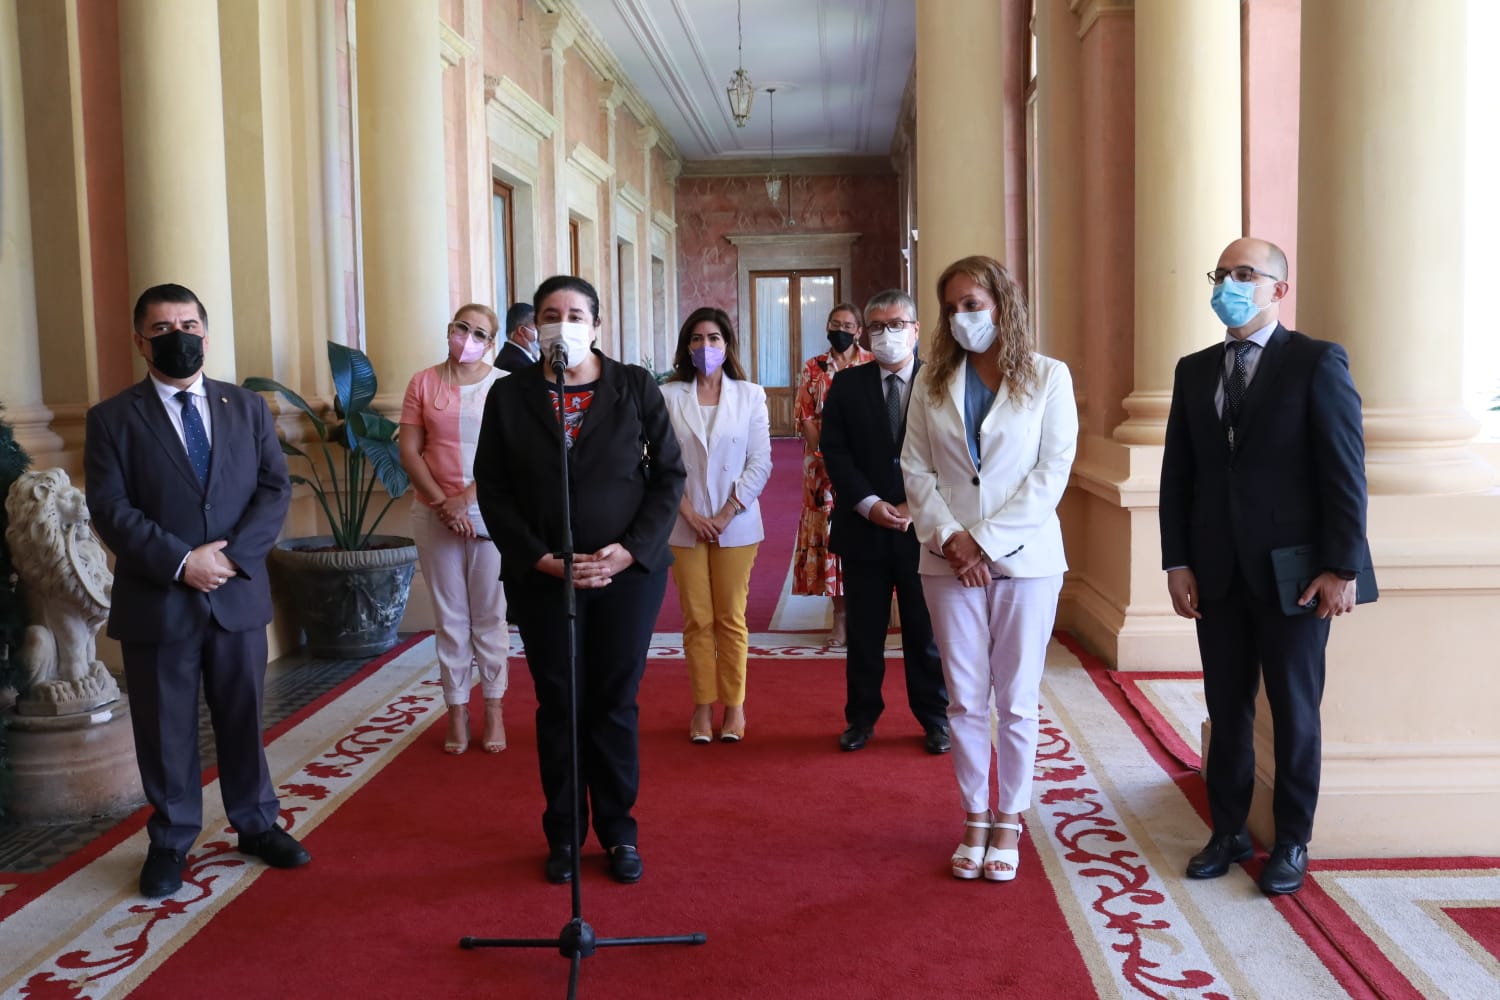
(1264, 450)
(864, 423)
(188, 487)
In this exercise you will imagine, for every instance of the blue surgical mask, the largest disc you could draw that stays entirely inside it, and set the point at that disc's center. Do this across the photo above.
(1234, 302)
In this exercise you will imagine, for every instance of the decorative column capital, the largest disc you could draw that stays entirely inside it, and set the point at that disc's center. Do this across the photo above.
(1090, 11)
(612, 95)
(558, 33)
(454, 47)
(649, 136)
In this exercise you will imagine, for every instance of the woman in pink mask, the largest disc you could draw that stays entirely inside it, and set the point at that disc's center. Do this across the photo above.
(724, 429)
(439, 431)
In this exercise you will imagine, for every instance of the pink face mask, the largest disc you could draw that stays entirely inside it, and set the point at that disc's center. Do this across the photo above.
(465, 349)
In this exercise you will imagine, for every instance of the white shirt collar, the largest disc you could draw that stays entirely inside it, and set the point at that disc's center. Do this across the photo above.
(1259, 338)
(169, 392)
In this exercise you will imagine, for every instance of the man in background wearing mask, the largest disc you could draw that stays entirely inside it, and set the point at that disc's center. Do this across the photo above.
(1264, 449)
(864, 422)
(520, 349)
(188, 487)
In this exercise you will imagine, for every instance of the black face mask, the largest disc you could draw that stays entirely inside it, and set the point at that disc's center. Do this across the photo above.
(177, 353)
(840, 340)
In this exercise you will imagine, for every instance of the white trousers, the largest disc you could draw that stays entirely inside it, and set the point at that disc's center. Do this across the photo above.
(993, 639)
(468, 607)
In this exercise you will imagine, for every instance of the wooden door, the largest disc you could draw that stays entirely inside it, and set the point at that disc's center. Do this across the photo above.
(788, 310)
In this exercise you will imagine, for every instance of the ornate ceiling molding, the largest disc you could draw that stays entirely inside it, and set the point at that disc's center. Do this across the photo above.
(801, 166)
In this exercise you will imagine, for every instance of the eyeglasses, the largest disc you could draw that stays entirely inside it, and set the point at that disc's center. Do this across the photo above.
(478, 333)
(844, 327)
(895, 326)
(1242, 273)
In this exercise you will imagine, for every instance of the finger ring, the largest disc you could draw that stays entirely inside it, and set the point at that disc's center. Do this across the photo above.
(223, 578)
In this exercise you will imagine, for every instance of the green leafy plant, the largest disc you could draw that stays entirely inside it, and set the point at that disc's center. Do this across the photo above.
(368, 440)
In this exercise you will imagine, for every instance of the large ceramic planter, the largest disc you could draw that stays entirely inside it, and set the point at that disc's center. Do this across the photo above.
(348, 604)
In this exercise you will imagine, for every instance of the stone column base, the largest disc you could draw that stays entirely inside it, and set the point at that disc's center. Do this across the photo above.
(71, 768)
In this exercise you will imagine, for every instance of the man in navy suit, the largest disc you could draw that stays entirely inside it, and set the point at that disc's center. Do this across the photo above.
(864, 423)
(519, 350)
(1264, 449)
(188, 487)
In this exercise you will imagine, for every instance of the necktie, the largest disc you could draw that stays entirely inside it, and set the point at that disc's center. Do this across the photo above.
(195, 436)
(893, 404)
(1234, 391)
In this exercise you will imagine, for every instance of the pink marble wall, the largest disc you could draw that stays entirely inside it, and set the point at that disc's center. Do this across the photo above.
(663, 194)
(710, 208)
(1107, 282)
(104, 175)
(582, 91)
(513, 45)
(630, 165)
(1270, 38)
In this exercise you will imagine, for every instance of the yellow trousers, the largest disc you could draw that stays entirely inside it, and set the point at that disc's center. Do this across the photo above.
(713, 584)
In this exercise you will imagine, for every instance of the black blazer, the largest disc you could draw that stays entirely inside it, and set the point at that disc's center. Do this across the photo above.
(863, 459)
(150, 510)
(625, 470)
(1296, 476)
(512, 358)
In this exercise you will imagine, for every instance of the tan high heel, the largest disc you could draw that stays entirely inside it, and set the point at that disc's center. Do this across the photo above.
(701, 728)
(494, 726)
(458, 719)
(733, 734)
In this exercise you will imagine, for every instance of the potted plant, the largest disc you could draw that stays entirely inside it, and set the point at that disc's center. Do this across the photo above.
(347, 589)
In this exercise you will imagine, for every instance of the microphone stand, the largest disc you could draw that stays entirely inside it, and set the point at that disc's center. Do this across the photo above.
(576, 941)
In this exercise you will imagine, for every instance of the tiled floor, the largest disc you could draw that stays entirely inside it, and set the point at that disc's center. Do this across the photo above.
(291, 682)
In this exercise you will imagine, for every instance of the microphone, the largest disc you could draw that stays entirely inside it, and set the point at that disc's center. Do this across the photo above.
(557, 358)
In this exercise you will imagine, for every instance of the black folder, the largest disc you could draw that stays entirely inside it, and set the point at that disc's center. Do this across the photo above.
(1295, 567)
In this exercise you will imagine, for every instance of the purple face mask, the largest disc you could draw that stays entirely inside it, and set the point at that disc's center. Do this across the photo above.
(707, 359)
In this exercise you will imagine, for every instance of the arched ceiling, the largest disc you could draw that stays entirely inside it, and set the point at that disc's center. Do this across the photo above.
(839, 66)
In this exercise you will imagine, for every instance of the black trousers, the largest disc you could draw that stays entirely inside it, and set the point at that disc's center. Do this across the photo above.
(1241, 640)
(614, 627)
(163, 681)
(867, 609)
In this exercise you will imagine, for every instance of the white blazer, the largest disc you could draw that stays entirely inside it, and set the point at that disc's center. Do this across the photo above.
(737, 454)
(1009, 504)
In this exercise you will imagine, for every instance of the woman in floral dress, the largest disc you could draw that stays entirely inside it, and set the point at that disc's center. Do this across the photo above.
(815, 570)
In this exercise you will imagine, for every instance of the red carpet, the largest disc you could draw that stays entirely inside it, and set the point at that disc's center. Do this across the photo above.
(813, 873)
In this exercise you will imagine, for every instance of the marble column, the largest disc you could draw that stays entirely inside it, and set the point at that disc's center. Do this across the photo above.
(403, 191)
(1381, 230)
(21, 375)
(960, 139)
(1187, 189)
(176, 194)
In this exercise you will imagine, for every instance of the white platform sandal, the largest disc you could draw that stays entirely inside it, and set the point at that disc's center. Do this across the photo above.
(1002, 856)
(973, 854)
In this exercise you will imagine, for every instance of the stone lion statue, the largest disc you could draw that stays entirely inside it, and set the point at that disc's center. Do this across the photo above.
(68, 582)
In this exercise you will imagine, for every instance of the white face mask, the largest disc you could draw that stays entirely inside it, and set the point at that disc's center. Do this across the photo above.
(575, 337)
(891, 346)
(974, 331)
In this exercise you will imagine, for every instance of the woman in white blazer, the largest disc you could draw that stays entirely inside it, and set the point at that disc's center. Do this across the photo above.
(725, 431)
(990, 436)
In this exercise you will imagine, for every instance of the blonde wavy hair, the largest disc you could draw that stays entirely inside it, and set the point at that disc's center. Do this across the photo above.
(1013, 337)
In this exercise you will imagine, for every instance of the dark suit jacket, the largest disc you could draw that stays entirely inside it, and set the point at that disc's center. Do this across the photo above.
(863, 459)
(1296, 477)
(150, 510)
(517, 470)
(511, 358)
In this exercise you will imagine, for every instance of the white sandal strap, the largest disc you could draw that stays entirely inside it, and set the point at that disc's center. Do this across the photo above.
(978, 824)
(1006, 826)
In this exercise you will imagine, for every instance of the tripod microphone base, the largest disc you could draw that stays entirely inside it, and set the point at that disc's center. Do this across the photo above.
(577, 940)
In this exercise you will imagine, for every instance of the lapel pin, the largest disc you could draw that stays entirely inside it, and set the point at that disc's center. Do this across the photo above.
(223, 399)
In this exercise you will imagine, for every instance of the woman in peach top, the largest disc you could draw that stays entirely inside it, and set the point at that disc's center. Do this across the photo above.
(439, 431)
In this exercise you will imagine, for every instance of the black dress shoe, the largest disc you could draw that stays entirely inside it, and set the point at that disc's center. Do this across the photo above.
(1223, 850)
(938, 740)
(560, 864)
(855, 737)
(275, 847)
(1284, 870)
(625, 863)
(161, 875)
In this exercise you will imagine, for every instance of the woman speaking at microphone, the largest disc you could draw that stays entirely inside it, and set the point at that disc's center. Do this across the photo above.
(624, 480)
